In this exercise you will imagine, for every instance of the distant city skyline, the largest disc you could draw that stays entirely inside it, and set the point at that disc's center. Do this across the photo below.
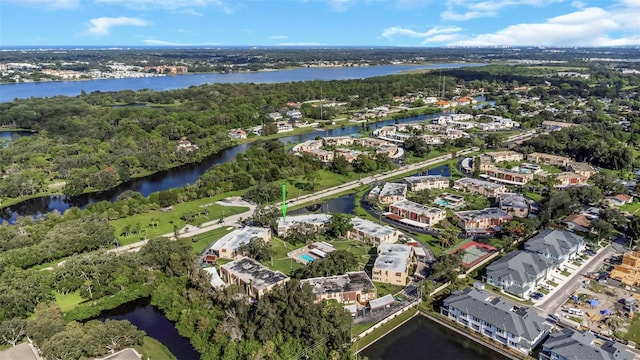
(319, 23)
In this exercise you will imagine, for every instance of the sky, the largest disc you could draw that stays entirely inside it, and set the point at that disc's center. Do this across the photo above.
(322, 23)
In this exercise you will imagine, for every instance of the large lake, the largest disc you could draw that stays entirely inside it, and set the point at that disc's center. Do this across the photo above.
(421, 338)
(9, 92)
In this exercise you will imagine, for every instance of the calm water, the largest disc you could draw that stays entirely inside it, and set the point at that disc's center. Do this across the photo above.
(344, 204)
(146, 317)
(9, 92)
(421, 338)
(172, 178)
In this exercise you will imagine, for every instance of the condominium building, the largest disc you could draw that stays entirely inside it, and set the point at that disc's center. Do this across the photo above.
(392, 192)
(519, 272)
(353, 287)
(569, 344)
(318, 221)
(483, 221)
(565, 179)
(515, 326)
(226, 247)
(253, 277)
(423, 215)
(417, 183)
(554, 160)
(372, 233)
(392, 265)
(500, 156)
(515, 204)
(480, 187)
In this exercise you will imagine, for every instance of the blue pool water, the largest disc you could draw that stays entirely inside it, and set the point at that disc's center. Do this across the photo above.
(442, 202)
(306, 257)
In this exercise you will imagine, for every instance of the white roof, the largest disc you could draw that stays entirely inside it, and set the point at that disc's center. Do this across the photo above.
(393, 257)
(419, 251)
(381, 302)
(238, 237)
(371, 228)
(304, 219)
(216, 281)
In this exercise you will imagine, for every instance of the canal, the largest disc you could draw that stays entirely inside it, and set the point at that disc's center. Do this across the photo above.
(421, 338)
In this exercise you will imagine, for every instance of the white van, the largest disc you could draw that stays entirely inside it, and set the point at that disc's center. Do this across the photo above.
(575, 311)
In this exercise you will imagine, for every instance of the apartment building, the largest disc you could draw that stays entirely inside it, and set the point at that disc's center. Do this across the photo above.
(483, 221)
(351, 288)
(372, 233)
(253, 277)
(418, 213)
(418, 183)
(553, 160)
(227, 246)
(480, 187)
(393, 264)
(318, 221)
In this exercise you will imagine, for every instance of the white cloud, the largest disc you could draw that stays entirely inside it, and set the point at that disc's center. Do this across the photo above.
(300, 44)
(49, 4)
(340, 5)
(103, 25)
(279, 37)
(162, 43)
(436, 34)
(586, 27)
(462, 10)
(168, 4)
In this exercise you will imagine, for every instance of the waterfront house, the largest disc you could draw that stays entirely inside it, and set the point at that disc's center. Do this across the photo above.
(480, 187)
(186, 145)
(568, 344)
(372, 233)
(253, 277)
(560, 246)
(519, 272)
(318, 221)
(418, 214)
(393, 263)
(417, 183)
(515, 326)
(237, 134)
(227, 246)
(353, 287)
(485, 221)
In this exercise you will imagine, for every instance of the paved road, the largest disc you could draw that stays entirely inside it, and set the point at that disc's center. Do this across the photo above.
(559, 295)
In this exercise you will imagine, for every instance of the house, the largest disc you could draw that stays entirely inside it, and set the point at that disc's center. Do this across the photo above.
(294, 114)
(237, 134)
(443, 104)
(253, 277)
(582, 168)
(515, 204)
(372, 233)
(515, 326)
(353, 287)
(275, 116)
(558, 245)
(553, 160)
(480, 187)
(186, 145)
(424, 216)
(392, 192)
(417, 183)
(393, 264)
(519, 272)
(577, 222)
(227, 246)
(619, 200)
(568, 344)
(318, 221)
(483, 221)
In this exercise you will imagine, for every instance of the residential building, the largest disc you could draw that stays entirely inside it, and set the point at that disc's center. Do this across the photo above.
(500, 156)
(325, 156)
(515, 326)
(515, 204)
(227, 246)
(565, 179)
(308, 145)
(619, 199)
(338, 140)
(392, 192)
(582, 168)
(253, 277)
(480, 187)
(353, 287)
(372, 233)
(392, 265)
(216, 281)
(577, 222)
(558, 245)
(519, 272)
(417, 183)
(553, 160)
(318, 221)
(569, 344)
(556, 125)
(237, 134)
(350, 155)
(483, 221)
(186, 145)
(275, 116)
(510, 177)
(418, 213)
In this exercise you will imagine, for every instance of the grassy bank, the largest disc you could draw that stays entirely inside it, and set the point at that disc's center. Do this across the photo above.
(154, 350)
(381, 331)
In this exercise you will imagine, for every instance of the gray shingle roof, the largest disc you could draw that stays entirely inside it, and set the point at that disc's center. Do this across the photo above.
(519, 266)
(554, 243)
(577, 345)
(520, 321)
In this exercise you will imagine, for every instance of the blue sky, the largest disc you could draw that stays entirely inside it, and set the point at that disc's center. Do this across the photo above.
(319, 22)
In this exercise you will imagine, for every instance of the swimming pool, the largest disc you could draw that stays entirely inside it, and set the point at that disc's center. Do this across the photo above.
(307, 257)
(442, 202)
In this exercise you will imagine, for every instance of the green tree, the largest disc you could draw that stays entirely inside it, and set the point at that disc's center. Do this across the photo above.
(339, 225)
(13, 330)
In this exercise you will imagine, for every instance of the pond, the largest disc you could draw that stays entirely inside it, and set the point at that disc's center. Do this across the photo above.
(152, 321)
(442, 170)
(421, 338)
(343, 204)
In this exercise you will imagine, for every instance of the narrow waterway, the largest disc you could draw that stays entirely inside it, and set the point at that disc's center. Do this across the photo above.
(421, 338)
(148, 318)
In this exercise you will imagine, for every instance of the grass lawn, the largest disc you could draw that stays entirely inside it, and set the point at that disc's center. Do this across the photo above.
(357, 248)
(153, 349)
(167, 220)
(429, 241)
(280, 261)
(533, 196)
(202, 241)
(68, 301)
(631, 208)
(385, 289)
(374, 335)
(357, 329)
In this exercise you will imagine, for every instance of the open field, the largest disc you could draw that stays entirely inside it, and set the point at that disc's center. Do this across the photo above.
(156, 223)
(201, 241)
(68, 301)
